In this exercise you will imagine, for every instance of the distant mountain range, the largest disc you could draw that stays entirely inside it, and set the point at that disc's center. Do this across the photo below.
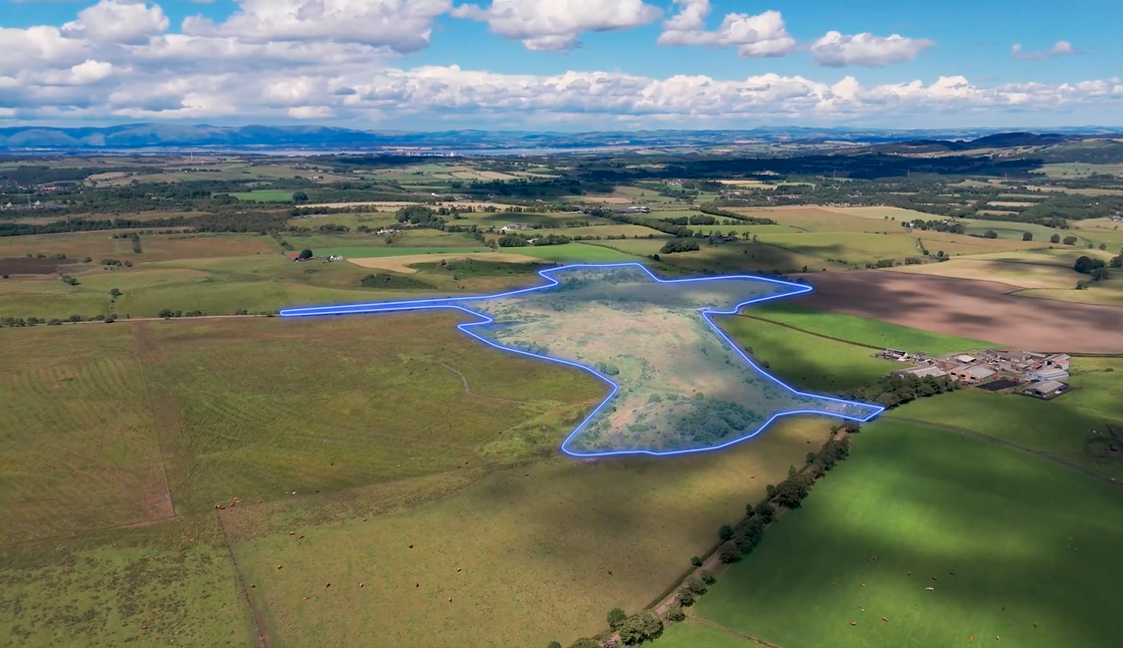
(131, 137)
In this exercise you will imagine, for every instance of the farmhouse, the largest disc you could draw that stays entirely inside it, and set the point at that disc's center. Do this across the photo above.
(1046, 389)
(1047, 374)
(894, 354)
(513, 227)
(971, 373)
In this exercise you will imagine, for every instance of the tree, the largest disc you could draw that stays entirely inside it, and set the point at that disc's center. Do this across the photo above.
(696, 561)
(695, 586)
(300, 197)
(585, 643)
(1088, 265)
(675, 614)
(1103, 246)
(991, 234)
(685, 598)
(554, 644)
(640, 628)
(1056, 238)
(1100, 274)
(306, 254)
(1070, 240)
(725, 532)
(616, 618)
(1117, 262)
(1027, 236)
(708, 577)
(115, 293)
(766, 512)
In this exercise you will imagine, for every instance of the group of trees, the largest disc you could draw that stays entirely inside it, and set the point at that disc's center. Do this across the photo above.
(516, 240)
(680, 245)
(1096, 268)
(891, 391)
(20, 322)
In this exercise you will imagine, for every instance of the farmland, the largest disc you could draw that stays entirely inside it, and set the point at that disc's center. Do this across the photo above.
(1009, 559)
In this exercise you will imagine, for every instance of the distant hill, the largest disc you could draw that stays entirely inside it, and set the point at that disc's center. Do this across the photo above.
(327, 138)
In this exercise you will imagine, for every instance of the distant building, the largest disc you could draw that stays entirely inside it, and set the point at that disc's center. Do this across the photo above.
(972, 373)
(514, 227)
(1046, 389)
(1058, 361)
(894, 354)
(1041, 375)
(965, 359)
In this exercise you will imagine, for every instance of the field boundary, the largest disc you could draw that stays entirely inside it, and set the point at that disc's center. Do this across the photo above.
(255, 618)
(803, 330)
(1013, 446)
(736, 633)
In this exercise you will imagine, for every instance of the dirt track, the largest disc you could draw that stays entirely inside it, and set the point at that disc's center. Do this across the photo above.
(976, 309)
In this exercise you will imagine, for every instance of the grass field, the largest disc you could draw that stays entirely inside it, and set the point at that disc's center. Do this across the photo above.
(805, 360)
(578, 253)
(265, 195)
(535, 548)
(387, 250)
(693, 634)
(862, 330)
(1028, 543)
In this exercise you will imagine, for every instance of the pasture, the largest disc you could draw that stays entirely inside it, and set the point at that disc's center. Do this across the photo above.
(578, 253)
(526, 556)
(265, 195)
(861, 330)
(1012, 547)
(804, 360)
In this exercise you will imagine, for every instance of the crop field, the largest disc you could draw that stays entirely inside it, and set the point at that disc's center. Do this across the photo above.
(1019, 274)
(815, 219)
(1022, 554)
(156, 247)
(1104, 293)
(613, 230)
(862, 330)
(1062, 257)
(535, 548)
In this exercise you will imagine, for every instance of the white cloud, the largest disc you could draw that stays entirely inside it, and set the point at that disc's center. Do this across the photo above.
(401, 25)
(756, 36)
(1060, 48)
(117, 21)
(866, 50)
(556, 25)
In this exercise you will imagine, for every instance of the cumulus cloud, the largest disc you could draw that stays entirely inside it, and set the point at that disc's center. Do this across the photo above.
(402, 25)
(556, 25)
(1060, 48)
(756, 36)
(866, 50)
(53, 73)
(117, 21)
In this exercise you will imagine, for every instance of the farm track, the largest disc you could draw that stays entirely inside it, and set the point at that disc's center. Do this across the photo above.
(468, 390)
(258, 622)
(1013, 446)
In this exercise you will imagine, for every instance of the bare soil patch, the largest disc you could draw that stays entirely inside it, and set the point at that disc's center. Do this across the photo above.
(983, 310)
(32, 266)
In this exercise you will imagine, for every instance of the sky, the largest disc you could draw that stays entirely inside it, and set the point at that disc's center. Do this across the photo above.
(563, 65)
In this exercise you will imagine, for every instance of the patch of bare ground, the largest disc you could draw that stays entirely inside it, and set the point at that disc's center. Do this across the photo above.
(34, 266)
(983, 310)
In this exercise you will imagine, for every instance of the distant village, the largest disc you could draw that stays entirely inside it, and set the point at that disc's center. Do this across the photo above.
(1040, 375)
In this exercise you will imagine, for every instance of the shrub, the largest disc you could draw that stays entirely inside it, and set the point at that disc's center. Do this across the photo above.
(695, 586)
(730, 554)
(685, 598)
(766, 512)
(725, 532)
(696, 561)
(708, 577)
(616, 618)
(640, 628)
(674, 614)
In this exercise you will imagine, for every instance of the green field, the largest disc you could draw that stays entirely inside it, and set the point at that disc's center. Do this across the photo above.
(388, 250)
(806, 360)
(694, 634)
(862, 330)
(1028, 543)
(134, 421)
(265, 195)
(576, 253)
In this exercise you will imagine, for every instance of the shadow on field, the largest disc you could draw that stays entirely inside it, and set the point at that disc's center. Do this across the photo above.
(1005, 541)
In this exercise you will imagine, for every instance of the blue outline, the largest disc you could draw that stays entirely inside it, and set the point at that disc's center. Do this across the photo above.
(448, 302)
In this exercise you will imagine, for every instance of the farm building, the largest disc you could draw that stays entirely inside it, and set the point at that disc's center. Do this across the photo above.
(1058, 361)
(1046, 389)
(965, 359)
(1041, 375)
(972, 373)
(923, 371)
(894, 354)
(513, 227)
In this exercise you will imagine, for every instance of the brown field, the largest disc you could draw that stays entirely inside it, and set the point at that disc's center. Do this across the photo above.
(982, 310)
(30, 266)
(403, 263)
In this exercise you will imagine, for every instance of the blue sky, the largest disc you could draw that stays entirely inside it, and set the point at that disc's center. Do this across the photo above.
(563, 64)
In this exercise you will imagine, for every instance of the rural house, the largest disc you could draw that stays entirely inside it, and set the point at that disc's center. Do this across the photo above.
(514, 227)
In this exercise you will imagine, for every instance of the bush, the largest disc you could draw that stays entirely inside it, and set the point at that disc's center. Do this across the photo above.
(554, 644)
(585, 643)
(685, 598)
(305, 254)
(730, 554)
(616, 618)
(766, 512)
(640, 628)
(1027, 236)
(695, 586)
(675, 246)
(708, 577)
(725, 532)
(696, 561)
(1070, 240)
